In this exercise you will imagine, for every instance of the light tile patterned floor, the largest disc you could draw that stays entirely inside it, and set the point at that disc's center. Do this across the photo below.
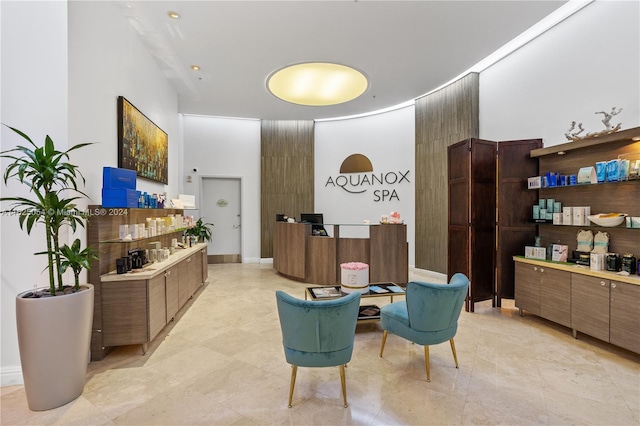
(222, 363)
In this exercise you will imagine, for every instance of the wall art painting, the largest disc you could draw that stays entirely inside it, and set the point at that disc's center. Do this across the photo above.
(142, 146)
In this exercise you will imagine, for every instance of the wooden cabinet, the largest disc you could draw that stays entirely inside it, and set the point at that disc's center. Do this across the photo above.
(135, 310)
(556, 303)
(598, 303)
(527, 290)
(590, 306)
(157, 305)
(205, 262)
(299, 255)
(172, 291)
(545, 292)
(624, 319)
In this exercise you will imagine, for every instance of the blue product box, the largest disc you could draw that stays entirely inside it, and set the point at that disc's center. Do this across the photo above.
(119, 197)
(552, 179)
(115, 178)
(601, 171)
(613, 167)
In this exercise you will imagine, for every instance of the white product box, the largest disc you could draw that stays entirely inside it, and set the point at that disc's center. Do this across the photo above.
(123, 231)
(535, 182)
(557, 218)
(597, 262)
(535, 252)
(134, 231)
(567, 215)
(579, 216)
(559, 253)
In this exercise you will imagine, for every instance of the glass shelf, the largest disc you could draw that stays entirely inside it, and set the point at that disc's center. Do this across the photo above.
(550, 223)
(119, 241)
(589, 185)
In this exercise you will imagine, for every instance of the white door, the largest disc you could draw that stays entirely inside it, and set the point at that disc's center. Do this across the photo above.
(220, 205)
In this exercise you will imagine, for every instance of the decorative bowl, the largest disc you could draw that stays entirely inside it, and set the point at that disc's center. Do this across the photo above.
(608, 221)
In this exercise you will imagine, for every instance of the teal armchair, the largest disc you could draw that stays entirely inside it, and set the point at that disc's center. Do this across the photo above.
(318, 333)
(428, 315)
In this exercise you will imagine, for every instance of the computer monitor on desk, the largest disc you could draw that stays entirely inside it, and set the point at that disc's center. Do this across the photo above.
(316, 220)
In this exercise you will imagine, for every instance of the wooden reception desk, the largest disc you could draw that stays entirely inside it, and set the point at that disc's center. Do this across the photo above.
(313, 259)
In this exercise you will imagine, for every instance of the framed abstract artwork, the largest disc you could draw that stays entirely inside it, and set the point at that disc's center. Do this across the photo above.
(142, 146)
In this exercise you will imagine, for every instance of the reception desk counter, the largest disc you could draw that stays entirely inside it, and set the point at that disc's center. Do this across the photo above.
(314, 259)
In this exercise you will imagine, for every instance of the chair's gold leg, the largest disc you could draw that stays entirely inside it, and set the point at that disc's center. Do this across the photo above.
(426, 362)
(294, 370)
(343, 381)
(384, 340)
(453, 349)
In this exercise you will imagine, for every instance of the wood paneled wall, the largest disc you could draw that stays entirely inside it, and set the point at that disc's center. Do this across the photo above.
(443, 118)
(287, 174)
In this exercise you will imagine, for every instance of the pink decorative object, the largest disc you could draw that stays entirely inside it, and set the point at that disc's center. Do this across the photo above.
(394, 217)
(354, 277)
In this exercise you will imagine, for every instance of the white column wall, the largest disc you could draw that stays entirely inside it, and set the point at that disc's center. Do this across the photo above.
(388, 141)
(63, 67)
(226, 147)
(588, 63)
(107, 59)
(34, 100)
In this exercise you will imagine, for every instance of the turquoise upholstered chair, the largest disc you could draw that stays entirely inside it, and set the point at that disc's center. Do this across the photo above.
(428, 315)
(318, 334)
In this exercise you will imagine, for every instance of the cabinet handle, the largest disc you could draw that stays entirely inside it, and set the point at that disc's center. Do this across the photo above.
(535, 268)
(168, 273)
(541, 269)
(613, 285)
(188, 260)
(602, 283)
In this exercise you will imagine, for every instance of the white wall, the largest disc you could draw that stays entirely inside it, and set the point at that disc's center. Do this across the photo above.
(68, 87)
(388, 140)
(226, 147)
(34, 100)
(588, 63)
(107, 59)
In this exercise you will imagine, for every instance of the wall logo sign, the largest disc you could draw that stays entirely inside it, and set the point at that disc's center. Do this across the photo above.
(357, 177)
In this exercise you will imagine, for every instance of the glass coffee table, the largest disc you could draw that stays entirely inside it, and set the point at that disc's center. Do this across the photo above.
(367, 312)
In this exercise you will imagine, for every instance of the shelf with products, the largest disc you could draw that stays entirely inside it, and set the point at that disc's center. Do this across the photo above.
(134, 240)
(546, 288)
(590, 185)
(103, 236)
(601, 198)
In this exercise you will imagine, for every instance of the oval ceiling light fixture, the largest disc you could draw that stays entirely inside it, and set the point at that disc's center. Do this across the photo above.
(317, 83)
(195, 67)
(173, 15)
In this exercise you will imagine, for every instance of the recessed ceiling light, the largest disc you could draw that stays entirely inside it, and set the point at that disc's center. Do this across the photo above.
(173, 15)
(317, 83)
(195, 67)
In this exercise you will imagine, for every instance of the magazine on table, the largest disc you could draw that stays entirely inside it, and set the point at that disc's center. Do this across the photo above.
(325, 292)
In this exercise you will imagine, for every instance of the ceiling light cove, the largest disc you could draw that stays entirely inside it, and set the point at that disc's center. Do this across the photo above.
(317, 83)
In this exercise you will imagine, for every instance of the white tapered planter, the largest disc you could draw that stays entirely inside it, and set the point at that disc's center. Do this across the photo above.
(54, 336)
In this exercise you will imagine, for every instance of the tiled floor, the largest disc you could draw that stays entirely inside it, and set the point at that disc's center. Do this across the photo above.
(222, 363)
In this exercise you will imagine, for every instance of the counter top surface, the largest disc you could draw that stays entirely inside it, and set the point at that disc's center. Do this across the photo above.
(153, 269)
(580, 269)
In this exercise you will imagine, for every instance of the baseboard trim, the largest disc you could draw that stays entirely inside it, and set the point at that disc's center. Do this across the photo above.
(11, 376)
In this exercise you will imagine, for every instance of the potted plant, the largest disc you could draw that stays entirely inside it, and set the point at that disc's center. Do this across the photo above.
(54, 323)
(77, 259)
(200, 230)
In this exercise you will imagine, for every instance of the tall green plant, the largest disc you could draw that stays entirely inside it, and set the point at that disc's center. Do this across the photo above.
(49, 177)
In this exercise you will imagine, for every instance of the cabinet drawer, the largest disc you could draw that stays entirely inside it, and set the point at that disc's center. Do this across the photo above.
(590, 306)
(625, 316)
